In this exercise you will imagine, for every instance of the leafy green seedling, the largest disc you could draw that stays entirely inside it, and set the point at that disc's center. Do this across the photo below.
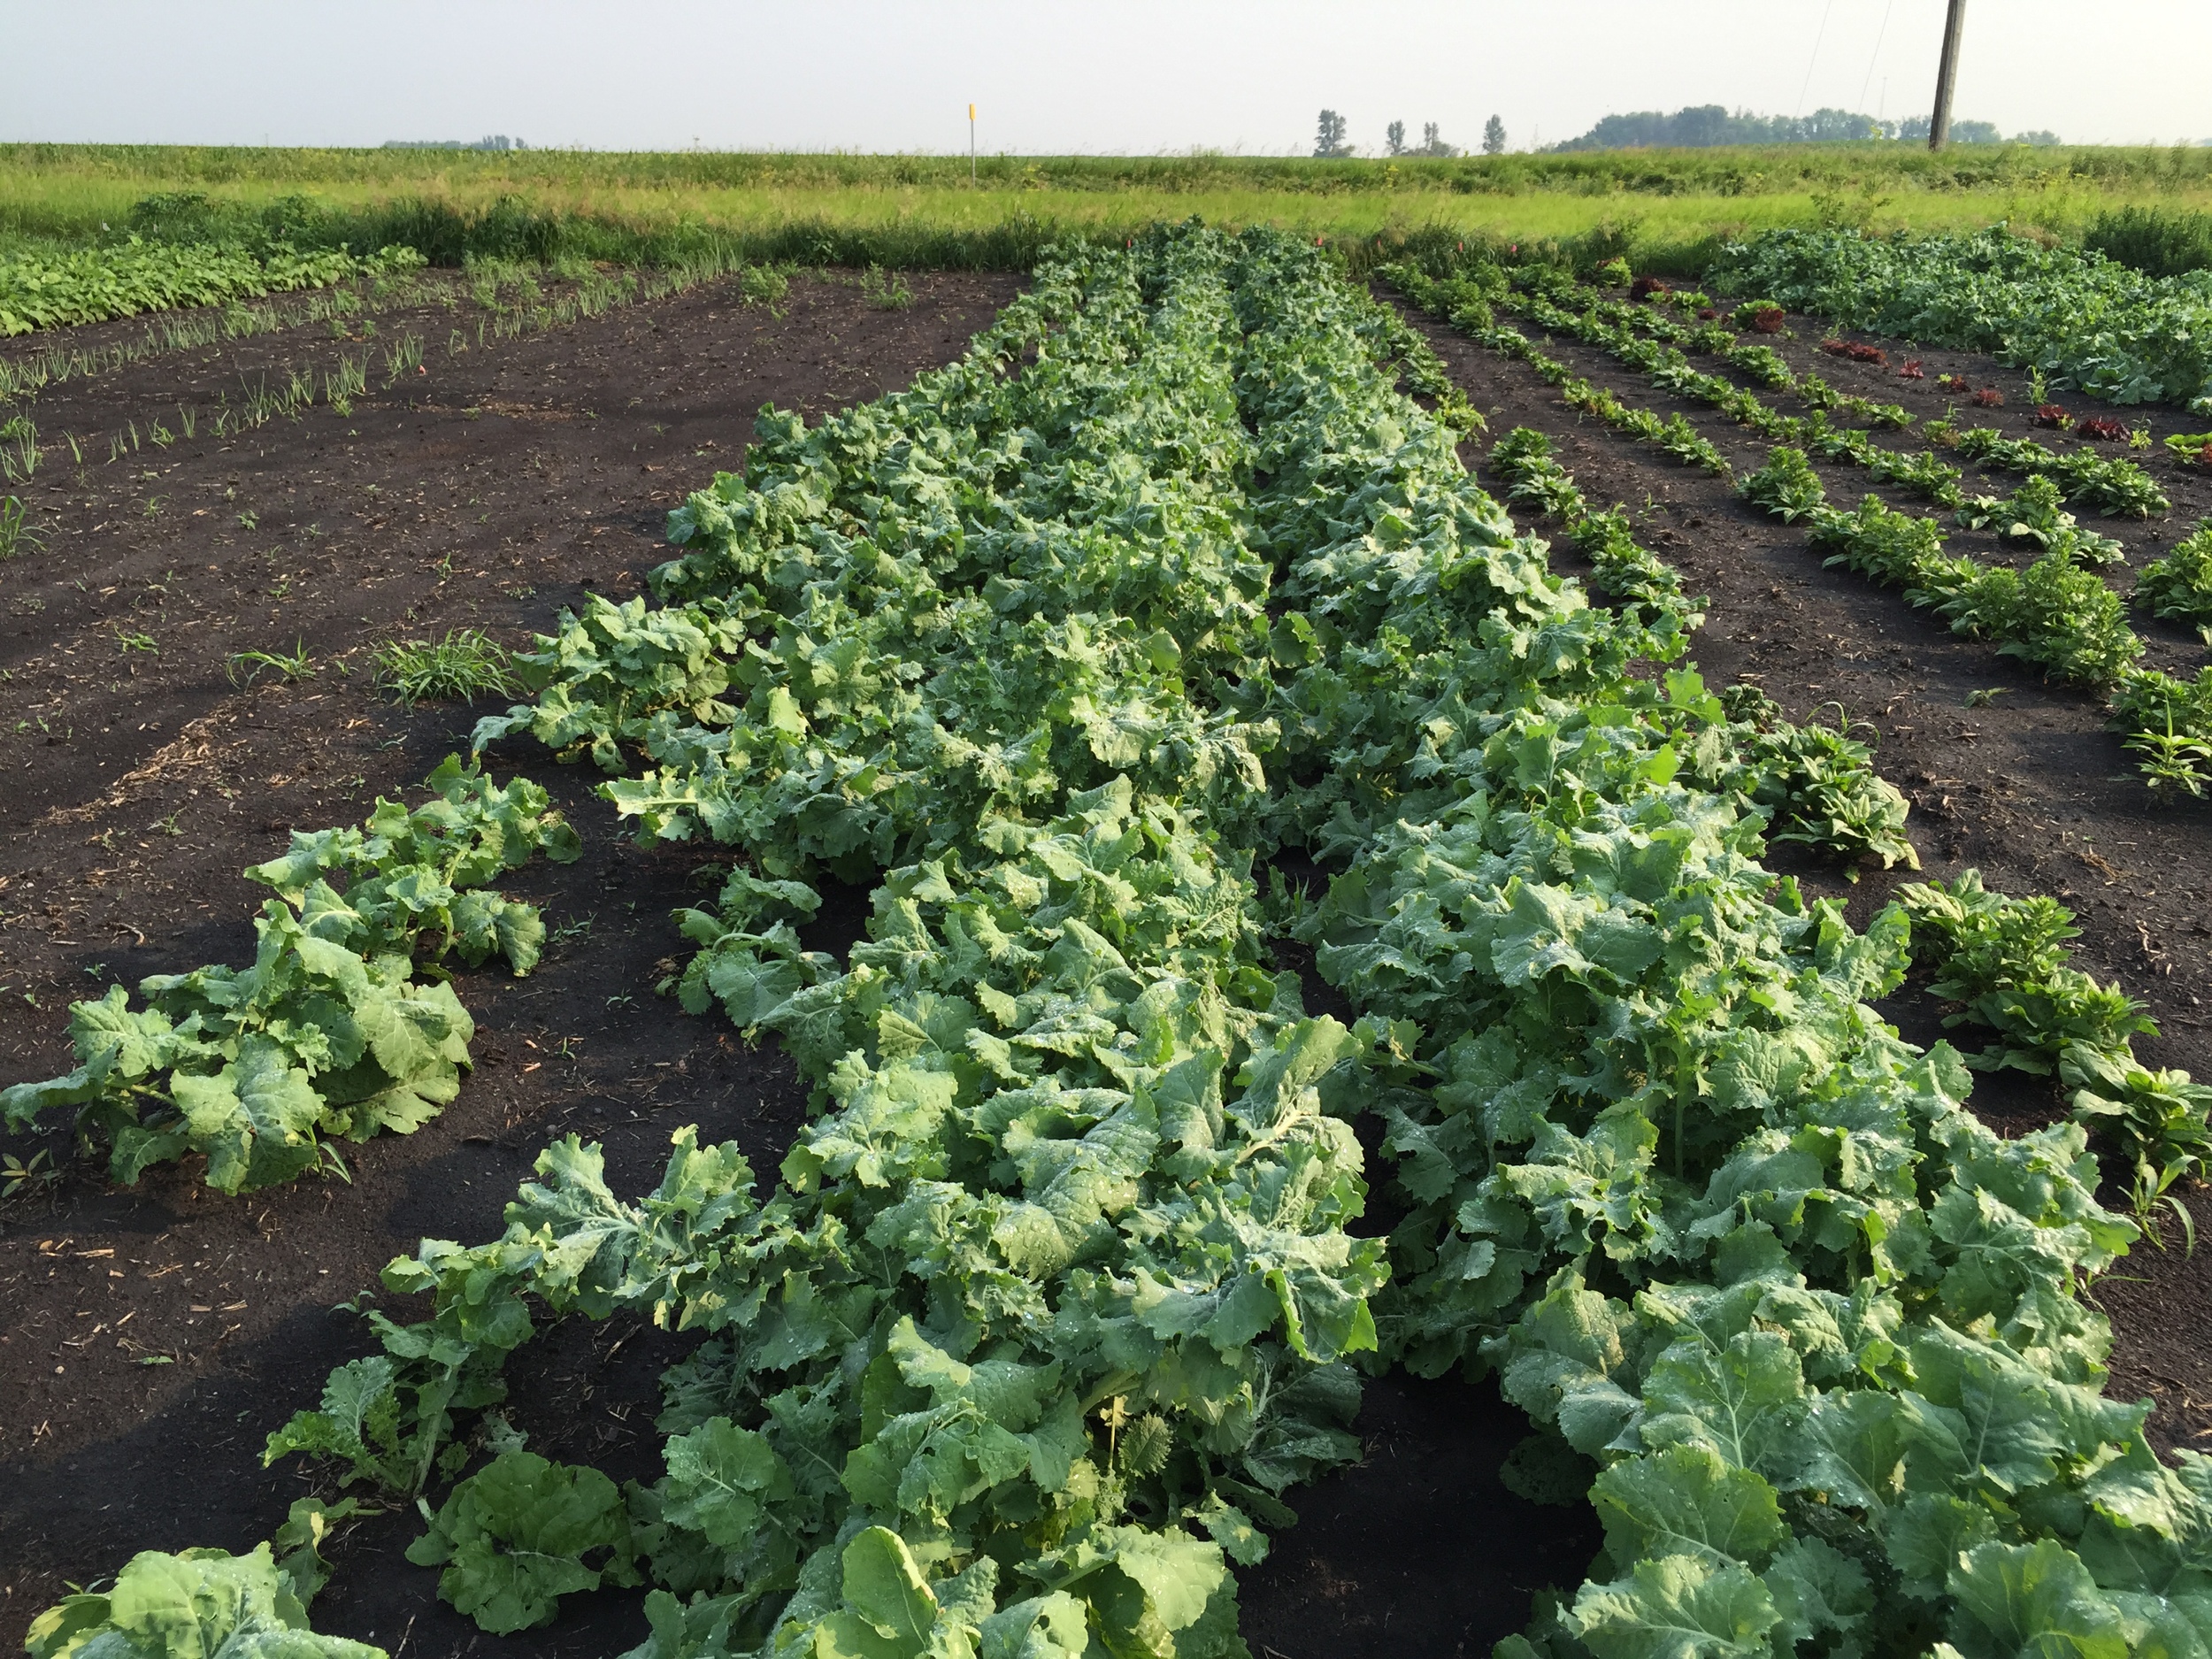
(36, 1174)
(15, 532)
(246, 666)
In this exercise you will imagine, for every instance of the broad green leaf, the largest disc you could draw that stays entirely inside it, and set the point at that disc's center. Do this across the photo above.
(1050, 1627)
(199, 1603)
(719, 1478)
(2032, 1599)
(887, 1590)
(1746, 1401)
(513, 1538)
(1816, 1590)
(1677, 1607)
(1686, 1501)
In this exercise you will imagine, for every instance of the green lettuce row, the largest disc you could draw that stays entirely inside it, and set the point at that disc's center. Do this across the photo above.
(1669, 371)
(2076, 316)
(2031, 514)
(1673, 435)
(2169, 723)
(1625, 569)
(2003, 961)
(2180, 585)
(1817, 783)
(2112, 485)
(1810, 1332)
(386, 1415)
(330, 1032)
(1419, 368)
(2052, 614)
(39, 290)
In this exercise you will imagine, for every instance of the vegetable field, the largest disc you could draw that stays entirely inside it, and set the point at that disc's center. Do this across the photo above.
(97, 286)
(1109, 949)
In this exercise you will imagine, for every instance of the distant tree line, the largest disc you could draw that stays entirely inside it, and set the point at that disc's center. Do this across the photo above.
(495, 141)
(1431, 142)
(1704, 125)
(1330, 144)
(1698, 127)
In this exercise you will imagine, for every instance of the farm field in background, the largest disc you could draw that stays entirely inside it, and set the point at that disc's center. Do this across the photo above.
(1669, 200)
(224, 523)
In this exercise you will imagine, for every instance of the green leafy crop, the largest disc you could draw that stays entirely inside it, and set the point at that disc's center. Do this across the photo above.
(1054, 1304)
(2077, 317)
(1818, 784)
(1817, 781)
(39, 290)
(1786, 485)
(199, 1601)
(330, 1032)
(2179, 585)
(2032, 514)
(2003, 961)
(521, 1533)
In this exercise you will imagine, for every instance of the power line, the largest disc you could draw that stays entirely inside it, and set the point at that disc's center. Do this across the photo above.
(1802, 90)
(1871, 62)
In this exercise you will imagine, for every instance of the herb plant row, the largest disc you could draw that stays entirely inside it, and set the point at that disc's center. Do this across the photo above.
(2055, 615)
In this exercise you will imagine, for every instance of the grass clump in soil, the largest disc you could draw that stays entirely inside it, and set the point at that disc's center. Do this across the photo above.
(465, 664)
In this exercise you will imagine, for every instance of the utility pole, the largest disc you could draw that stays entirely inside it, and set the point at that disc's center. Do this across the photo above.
(1946, 76)
(972, 144)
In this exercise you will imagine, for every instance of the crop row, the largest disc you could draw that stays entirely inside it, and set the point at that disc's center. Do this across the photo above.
(2053, 614)
(1999, 961)
(23, 377)
(1816, 785)
(2076, 317)
(330, 1032)
(1650, 343)
(1056, 1301)
(94, 285)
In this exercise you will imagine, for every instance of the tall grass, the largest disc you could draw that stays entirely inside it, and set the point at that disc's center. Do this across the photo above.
(910, 212)
(2155, 242)
(140, 170)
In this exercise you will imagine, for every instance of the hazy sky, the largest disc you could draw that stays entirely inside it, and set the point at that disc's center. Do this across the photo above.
(1133, 76)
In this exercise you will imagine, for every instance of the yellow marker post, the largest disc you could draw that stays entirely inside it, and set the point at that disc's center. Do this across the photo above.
(971, 143)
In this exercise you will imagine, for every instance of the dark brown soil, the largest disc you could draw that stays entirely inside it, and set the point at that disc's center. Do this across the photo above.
(2028, 787)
